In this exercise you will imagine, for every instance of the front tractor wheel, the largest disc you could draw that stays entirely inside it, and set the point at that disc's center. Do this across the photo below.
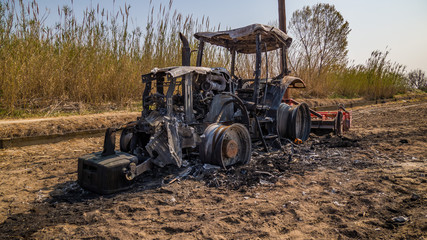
(125, 139)
(226, 145)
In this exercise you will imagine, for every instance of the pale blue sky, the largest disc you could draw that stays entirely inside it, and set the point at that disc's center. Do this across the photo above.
(397, 25)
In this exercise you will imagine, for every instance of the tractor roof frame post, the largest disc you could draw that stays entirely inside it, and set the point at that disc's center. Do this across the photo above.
(169, 99)
(257, 68)
(200, 54)
(233, 62)
(188, 96)
(146, 92)
(266, 74)
(256, 87)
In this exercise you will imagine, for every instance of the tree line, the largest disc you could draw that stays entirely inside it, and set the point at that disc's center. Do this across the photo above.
(319, 55)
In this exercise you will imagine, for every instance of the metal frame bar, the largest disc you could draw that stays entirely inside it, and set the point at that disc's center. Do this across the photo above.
(200, 54)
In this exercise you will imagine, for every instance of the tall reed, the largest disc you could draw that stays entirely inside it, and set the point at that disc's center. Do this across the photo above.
(378, 78)
(99, 59)
(94, 60)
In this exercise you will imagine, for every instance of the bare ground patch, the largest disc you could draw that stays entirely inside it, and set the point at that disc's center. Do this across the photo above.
(369, 184)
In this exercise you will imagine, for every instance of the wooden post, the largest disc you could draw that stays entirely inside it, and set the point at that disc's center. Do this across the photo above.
(282, 26)
(282, 15)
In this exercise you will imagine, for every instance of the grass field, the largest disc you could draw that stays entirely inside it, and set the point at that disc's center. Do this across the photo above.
(97, 61)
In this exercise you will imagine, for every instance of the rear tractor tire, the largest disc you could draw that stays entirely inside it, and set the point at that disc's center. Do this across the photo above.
(294, 122)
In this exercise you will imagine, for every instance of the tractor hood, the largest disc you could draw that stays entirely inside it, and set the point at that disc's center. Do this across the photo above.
(178, 71)
(242, 39)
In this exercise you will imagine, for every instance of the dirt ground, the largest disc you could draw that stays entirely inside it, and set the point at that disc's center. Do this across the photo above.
(369, 184)
(63, 125)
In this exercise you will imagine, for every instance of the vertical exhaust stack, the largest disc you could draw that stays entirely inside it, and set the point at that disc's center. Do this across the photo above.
(186, 50)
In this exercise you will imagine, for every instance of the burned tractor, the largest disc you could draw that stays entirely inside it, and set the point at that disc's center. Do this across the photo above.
(209, 112)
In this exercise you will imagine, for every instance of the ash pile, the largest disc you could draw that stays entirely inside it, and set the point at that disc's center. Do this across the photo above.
(264, 168)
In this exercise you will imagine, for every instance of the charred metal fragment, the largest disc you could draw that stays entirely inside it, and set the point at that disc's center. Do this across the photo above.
(186, 50)
(109, 142)
(164, 146)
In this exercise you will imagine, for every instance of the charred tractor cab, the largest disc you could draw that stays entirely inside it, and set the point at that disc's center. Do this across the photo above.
(209, 112)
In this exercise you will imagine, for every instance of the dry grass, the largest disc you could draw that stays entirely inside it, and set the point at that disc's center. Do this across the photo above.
(98, 59)
(94, 60)
(379, 78)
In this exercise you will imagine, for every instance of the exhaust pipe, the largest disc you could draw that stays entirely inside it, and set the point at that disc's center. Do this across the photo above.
(186, 51)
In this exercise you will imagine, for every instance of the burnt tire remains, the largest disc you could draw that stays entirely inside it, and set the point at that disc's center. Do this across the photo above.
(294, 122)
(226, 145)
(125, 140)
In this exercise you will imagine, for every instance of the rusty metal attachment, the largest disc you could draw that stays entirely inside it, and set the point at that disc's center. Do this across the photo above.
(337, 122)
(226, 145)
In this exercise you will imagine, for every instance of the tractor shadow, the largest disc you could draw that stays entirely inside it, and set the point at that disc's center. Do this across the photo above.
(70, 204)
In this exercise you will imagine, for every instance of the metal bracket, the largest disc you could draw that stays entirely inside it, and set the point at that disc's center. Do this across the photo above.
(135, 170)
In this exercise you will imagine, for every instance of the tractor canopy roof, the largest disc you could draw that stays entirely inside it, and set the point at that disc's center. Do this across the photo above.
(243, 40)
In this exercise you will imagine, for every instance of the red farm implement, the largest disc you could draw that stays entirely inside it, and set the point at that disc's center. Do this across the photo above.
(337, 121)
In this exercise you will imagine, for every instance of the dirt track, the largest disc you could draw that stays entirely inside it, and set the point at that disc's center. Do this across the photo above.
(63, 125)
(369, 184)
